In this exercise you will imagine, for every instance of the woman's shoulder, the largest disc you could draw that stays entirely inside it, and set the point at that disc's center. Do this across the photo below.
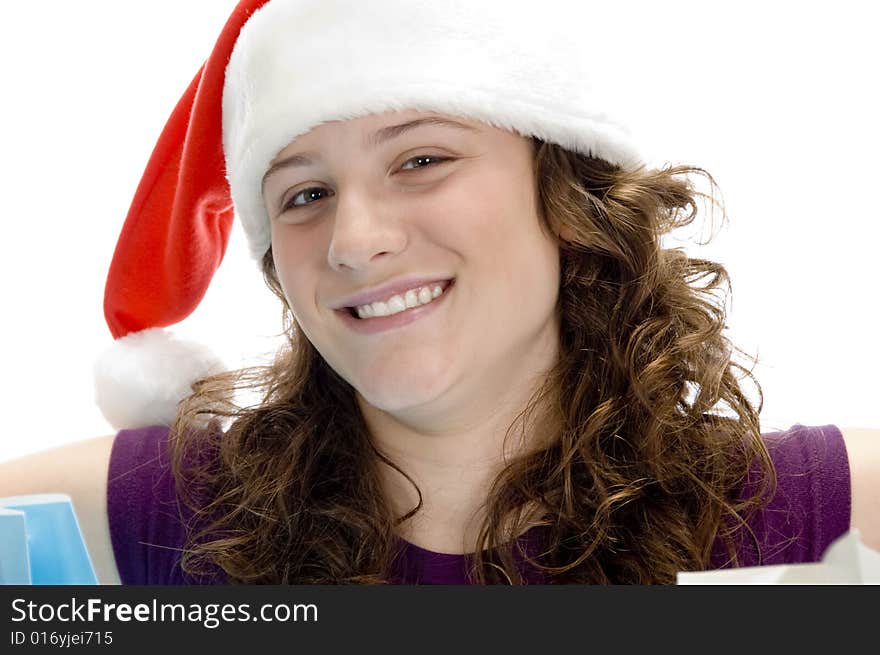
(148, 521)
(811, 506)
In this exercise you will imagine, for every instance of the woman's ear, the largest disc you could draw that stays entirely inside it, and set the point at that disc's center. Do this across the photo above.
(566, 234)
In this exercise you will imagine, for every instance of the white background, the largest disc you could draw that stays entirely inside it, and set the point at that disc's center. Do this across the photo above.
(778, 102)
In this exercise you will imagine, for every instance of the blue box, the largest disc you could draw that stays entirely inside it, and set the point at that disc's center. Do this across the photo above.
(41, 542)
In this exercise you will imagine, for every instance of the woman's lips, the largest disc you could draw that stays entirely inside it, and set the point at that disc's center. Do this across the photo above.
(383, 323)
(399, 287)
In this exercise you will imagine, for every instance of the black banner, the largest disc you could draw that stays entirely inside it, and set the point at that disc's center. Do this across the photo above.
(328, 619)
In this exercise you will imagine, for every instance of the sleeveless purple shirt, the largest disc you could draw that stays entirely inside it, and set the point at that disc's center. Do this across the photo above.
(810, 510)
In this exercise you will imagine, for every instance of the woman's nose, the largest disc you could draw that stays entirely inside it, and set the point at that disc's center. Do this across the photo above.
(364, 229)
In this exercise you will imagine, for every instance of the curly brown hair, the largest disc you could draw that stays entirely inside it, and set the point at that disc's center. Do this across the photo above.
(651, 437)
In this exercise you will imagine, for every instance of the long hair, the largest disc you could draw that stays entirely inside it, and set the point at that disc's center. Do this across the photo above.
(639, 471)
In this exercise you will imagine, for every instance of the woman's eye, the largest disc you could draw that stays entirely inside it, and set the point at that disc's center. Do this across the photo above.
(431, 158)
(311, 194)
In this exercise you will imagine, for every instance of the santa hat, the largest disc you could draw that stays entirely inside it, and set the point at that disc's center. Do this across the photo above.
(282, 67)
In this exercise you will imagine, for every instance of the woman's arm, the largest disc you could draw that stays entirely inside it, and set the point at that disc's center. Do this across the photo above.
(863, 452)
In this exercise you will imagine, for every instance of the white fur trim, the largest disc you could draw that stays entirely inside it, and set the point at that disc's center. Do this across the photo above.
(141, 378)
(522, 66)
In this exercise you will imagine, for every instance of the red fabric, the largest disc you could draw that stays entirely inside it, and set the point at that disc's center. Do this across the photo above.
(177, 229)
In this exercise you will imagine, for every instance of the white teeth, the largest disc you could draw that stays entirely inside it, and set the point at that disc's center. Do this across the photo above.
(398, 303)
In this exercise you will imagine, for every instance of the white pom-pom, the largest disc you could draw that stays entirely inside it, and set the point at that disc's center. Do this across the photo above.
(142, 377)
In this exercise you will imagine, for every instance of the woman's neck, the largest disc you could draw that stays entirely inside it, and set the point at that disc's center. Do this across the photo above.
(455, 471)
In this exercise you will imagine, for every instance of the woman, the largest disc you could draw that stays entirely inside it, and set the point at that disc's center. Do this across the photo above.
(488, 347)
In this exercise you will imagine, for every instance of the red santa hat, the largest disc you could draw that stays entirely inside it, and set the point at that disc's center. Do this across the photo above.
(282, 67)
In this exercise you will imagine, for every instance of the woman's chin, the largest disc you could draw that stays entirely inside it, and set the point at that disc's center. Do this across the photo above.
(394, 402)
(401, 394)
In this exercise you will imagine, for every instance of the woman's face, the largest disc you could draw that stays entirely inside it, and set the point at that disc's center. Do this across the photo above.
(368, 211)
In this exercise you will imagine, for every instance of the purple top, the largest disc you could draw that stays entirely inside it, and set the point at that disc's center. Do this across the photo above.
(810, 510)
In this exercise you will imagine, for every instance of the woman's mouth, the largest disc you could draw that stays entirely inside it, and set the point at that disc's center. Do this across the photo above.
(398, 303)
(397, 310)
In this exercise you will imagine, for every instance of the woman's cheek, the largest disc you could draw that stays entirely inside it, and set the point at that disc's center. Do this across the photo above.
(461, 217)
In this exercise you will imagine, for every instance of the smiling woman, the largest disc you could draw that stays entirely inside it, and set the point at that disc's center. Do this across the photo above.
(451, 231)
(494, 370)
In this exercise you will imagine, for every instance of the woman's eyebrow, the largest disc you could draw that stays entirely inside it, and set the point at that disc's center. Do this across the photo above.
(394, 131)
(379, 137)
